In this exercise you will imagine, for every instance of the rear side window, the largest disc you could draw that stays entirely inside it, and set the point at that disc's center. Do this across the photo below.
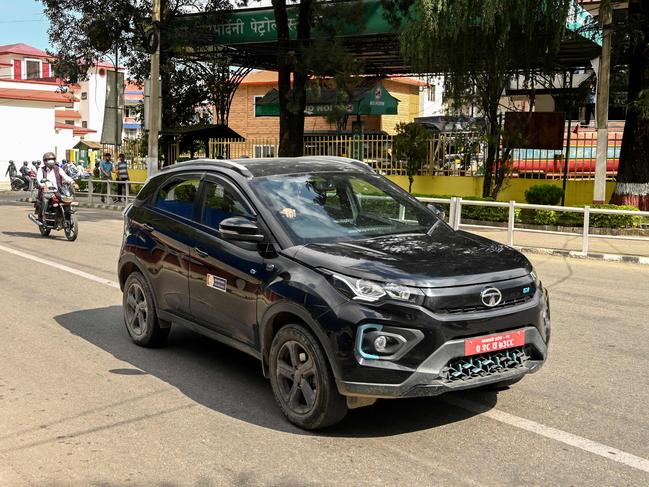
(221, 202)
(178, 197)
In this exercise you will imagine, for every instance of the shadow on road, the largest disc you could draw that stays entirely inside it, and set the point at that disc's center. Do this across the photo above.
(231, 382)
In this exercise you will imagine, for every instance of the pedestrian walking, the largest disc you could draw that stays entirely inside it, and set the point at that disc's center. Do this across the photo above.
(122, 175)
(106, 174)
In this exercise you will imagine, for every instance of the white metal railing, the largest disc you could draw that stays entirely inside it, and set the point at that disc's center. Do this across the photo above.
(455, 218)
(96, 190)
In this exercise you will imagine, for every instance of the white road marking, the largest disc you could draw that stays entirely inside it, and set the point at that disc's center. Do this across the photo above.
(576, 441)
(561, 436)
(62, 267)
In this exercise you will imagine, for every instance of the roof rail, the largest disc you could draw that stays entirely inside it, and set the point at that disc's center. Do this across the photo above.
(347, 160)
(226, 163)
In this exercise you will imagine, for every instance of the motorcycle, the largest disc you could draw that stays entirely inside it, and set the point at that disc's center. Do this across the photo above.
(21, 183)
(60, 213)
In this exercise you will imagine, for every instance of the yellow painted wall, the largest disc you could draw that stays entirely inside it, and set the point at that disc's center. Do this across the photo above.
(577, 192)
(137, 175)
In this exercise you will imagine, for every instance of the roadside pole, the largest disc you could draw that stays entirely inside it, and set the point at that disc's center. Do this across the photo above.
(603, 82)
(154, 100)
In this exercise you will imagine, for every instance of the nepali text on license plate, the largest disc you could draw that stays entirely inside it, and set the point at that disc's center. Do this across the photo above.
(493, 343)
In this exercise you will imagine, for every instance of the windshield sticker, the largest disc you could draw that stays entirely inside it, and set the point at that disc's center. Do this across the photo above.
(217, 282)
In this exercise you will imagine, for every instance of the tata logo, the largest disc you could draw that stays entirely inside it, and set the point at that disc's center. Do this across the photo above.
(491, 297)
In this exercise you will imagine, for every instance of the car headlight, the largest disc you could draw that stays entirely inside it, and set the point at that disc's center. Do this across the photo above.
(372, 291)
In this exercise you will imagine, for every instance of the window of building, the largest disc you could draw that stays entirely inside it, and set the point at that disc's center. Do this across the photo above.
(263, 150)
(69, 122)
(84, 95)
(84, 124)
(431, 92)
(178, 197)
(257, 97)
(32, 68)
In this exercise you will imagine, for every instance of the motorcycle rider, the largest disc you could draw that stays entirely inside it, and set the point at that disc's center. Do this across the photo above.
(24, 173)
(53, 177)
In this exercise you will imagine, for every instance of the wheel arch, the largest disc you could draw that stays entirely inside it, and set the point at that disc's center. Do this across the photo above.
(283, 314)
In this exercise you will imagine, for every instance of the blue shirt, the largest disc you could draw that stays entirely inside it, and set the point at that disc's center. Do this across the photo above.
(106, 166)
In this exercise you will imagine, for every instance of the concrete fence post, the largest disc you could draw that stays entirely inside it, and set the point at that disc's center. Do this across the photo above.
(510, 223)
(584, 238)
(451, 212)
(90, 191)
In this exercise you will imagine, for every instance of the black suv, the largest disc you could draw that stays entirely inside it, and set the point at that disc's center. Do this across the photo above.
(344, 286)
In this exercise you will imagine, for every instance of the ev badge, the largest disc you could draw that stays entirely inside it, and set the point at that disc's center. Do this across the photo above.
(491, 297)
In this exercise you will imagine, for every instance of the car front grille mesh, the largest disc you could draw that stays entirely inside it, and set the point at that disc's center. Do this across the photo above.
(480, 307)
(466, 368)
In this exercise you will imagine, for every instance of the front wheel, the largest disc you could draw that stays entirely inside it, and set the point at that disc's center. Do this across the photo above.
(45, 231)
(17, 185)
(71, 228)
(302, 382)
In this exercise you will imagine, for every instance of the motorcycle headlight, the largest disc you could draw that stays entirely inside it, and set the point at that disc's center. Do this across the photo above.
(372, 291)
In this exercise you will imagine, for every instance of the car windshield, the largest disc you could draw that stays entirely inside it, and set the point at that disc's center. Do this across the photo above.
(329, 207)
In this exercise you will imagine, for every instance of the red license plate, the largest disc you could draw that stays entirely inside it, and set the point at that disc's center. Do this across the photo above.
(493, 343)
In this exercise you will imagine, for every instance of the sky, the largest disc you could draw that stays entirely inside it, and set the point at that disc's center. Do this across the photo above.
(23, 21)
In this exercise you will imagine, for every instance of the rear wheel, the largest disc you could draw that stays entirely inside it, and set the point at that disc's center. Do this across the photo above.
(140, 316)
(72, 228)
(17, 184)
(302, 382)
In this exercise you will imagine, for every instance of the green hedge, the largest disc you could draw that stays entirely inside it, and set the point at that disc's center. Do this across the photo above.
(545, 217)
(543, 194)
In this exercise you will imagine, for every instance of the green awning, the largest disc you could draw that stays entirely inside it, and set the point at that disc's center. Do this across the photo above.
(373, 99)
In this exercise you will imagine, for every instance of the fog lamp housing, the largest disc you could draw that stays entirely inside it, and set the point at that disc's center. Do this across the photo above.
(382, 342)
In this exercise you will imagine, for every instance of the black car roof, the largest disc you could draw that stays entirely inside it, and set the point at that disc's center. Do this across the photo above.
(261, 167)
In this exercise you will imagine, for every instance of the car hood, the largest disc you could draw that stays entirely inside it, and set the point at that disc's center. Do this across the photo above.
(445, 258)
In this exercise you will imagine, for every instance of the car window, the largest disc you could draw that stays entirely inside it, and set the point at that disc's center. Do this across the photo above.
(221, 202)
(178, 197)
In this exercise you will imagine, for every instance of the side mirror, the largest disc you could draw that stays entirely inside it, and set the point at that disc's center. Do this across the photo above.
(241, 229)
(437, 209)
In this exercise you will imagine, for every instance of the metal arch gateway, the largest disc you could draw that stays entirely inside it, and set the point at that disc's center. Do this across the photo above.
(250, 39)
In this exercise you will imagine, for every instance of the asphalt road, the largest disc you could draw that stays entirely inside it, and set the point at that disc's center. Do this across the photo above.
(81, 405)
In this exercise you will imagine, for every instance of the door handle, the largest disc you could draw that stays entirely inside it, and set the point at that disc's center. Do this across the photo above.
(148, 227)
(200, 252)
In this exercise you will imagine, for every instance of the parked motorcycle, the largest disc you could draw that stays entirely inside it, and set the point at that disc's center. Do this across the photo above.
(60, 213)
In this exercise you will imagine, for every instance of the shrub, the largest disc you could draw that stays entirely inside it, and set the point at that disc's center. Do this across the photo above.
(615, 221)
(545, 217)
(543, 194)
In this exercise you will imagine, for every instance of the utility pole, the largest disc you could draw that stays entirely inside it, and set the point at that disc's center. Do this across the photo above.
(603, 83)
(154, 99)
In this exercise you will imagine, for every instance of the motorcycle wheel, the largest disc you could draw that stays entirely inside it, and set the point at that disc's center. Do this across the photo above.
(45, 231)
(17, 185)
(72, 228)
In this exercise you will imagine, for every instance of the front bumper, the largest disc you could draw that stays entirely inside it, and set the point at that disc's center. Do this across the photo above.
(428, 379)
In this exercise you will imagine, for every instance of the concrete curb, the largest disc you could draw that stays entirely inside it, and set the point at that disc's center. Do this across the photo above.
(630, 259)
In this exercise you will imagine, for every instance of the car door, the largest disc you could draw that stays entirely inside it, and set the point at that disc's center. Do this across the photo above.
(224, 279)
(165, 231)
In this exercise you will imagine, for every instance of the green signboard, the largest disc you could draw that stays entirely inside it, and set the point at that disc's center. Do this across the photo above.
(251, 26)
(375, 100)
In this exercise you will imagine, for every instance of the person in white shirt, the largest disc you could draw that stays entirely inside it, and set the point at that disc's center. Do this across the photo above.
(49, 178)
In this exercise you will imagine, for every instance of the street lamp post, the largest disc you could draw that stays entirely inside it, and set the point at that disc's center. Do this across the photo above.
(154, 99)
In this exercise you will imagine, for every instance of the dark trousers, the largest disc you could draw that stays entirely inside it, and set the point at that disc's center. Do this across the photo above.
(589, 112)
(121, 188)
(104, 188)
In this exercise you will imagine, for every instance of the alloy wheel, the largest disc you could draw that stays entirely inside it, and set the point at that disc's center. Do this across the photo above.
(297, 377)
(136, 309)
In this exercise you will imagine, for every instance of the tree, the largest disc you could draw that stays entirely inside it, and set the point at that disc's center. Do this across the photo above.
(301, 58)
(85, 31)
(411, 144)
(479, 45)
(632, 184)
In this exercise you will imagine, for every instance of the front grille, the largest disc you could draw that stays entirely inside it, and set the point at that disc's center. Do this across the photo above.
(481, 307)
(466, 368)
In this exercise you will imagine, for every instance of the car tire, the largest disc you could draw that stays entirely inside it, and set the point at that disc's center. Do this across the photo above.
(302, 381)
(140, 315)
(504, 384)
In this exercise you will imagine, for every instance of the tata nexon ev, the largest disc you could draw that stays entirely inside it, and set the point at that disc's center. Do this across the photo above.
(344, 286)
